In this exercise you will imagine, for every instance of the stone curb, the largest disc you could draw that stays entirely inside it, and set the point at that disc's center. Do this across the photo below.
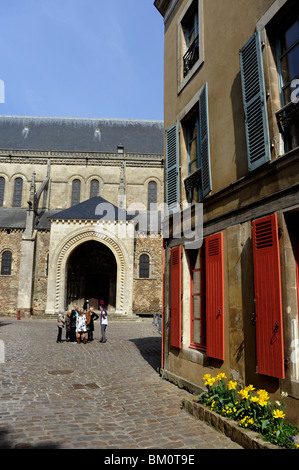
(245, 438)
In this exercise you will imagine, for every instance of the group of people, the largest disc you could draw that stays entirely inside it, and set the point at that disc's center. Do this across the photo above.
(79, 322)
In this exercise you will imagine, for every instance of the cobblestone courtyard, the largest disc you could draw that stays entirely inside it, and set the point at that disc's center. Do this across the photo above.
(92, 396)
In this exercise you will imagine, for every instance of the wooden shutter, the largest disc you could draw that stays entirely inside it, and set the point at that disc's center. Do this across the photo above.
(175, 303)
(215, 296)
(172, 168)
(268, 307)
(204, 141)
(254, 101)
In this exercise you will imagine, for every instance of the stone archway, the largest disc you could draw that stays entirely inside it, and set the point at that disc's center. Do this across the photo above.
(91, 275)
(70, 239)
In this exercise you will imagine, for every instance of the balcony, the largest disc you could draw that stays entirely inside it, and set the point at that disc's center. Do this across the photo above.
(191, 56)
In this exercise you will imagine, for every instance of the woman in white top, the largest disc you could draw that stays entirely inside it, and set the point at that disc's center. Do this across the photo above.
(81, 326)
(104, 323)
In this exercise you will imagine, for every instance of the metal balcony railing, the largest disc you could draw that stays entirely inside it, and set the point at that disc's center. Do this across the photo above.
(191, 56)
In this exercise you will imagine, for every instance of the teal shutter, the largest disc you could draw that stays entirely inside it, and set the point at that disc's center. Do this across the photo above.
(204, 141)
(254, 101)
(172, 167)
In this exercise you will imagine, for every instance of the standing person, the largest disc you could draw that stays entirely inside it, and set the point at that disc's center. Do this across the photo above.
(60, 324)
(104, 323)
(81, 326)
(73, 326)
(67, 326)
(93, 317)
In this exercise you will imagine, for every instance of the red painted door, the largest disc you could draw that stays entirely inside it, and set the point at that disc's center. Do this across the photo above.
(215, 296)
(268, 307)
(175, 302)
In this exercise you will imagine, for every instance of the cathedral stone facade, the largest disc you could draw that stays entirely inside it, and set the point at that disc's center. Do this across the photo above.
(76, 201)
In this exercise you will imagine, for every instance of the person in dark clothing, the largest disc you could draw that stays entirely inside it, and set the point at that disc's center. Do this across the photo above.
(73, 326)
(91, 317)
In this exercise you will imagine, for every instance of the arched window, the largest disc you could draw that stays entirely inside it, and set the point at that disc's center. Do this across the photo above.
(6, 263)
(151, 194)
(94, 188)
(2, 188)
(17, 193)
(76, 190)
(144, 266)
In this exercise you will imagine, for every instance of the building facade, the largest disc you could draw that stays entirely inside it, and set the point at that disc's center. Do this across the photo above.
(231, 146)
(71, 191)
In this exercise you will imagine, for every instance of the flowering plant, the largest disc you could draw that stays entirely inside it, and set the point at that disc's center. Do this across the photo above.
(251, 408)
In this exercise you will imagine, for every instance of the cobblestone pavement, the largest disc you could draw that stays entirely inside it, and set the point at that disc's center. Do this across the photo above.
(92, 396)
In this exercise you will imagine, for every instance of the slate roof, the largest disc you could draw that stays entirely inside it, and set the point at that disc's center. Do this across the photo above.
(80, 134)
(95, 208)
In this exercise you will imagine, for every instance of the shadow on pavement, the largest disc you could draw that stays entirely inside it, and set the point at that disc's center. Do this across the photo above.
(150, 349)
(5, 443)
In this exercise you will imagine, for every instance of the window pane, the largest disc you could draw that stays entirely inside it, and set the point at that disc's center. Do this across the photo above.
(144, 266)
(76, 188)
(2, 186)
(17, 195)
(290, 65)
(94, 188)
(152, 193)
(196, 332)
(6, 263)
(291, 36)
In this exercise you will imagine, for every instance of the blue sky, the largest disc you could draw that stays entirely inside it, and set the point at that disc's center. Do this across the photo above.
(82, 58)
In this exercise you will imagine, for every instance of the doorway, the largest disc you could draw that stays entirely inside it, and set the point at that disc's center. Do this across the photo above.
(91, 275)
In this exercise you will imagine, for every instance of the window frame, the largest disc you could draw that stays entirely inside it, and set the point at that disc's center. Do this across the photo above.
(75, 199)
(202, 345)
(91, 189)
(193, 8)
(152, 194)
(2, 190)
(17, 192)
(6, 262)
(141, 266)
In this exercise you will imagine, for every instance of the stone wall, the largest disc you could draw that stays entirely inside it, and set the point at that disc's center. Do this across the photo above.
(40, 283)
(10, 240)
(147, 293)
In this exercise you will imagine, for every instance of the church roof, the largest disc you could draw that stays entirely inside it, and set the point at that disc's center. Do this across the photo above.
(81, 134)
(95, 208)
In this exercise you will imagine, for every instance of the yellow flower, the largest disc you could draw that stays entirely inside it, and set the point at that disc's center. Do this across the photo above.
(232, 385)
(254, 399)
(262, 402)
(207, 377)
(210, 382)
(278, 414)
(249, 388)
(244, 393)
(221, 376)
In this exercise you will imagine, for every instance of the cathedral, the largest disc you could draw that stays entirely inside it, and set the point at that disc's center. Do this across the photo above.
(76, 200)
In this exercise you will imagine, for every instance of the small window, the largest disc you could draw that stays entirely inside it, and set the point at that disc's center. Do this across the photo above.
(94, 188)
(76, 190)
(152, 194)
(6, 263)
(2, 188)
(198, 318)
(17, 193)
(144, 266)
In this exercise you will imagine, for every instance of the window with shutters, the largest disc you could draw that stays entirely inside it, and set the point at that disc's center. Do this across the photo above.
(17, 193)
(6, 261)
(144, 266)
(94, 188)
(254, 102)
(76, 192)
(190, 41)
(197, 299)
(214, 276)
(268, 303)
(2, 188)
(196, 133)
(151, 194)
(172, 169)
(175, 297)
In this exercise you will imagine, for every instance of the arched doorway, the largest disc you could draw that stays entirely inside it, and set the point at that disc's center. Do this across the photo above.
(91, 275)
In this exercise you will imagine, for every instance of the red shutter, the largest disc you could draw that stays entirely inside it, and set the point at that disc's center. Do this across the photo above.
(175, 303)
(215, 296)
(268, 307)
